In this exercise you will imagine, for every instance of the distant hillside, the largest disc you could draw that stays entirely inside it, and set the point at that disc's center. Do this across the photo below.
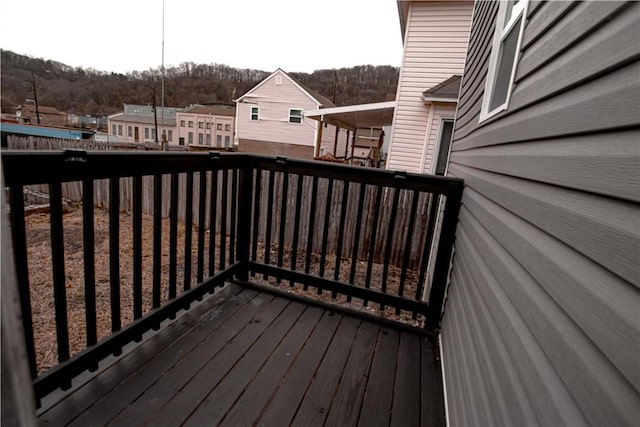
(88, 91)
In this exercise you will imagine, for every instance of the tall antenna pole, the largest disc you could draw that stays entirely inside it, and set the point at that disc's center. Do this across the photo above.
(164, 132)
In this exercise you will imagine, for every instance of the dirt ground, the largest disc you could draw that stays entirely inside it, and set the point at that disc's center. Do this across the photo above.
(40, 277)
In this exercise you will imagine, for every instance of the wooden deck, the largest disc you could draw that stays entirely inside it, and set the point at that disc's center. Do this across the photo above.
(245, 357)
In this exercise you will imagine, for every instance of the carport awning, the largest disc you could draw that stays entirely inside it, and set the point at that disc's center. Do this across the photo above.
(356, 116)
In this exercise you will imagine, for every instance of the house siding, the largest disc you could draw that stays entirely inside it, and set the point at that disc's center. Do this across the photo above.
(440, 112)
(435, 44)
(541, 324)
(274, 102)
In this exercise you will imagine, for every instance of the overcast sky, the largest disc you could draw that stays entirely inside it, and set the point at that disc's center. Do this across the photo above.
(125, 35)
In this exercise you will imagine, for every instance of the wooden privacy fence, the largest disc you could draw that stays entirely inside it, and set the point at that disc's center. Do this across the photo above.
(371, 228)
(41, 143)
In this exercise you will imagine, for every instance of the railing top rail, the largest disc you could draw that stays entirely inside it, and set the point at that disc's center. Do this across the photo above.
(37, 167)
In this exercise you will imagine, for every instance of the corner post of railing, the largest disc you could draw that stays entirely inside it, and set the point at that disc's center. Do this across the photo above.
(245, 196)
(444, 252)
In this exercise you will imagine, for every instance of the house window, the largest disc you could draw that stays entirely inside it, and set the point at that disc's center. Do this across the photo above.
(182, 123)
(227, 141)
(136, 134)
(190, 138)
(200, 125)
(146, 133)
(170, 135)
(120, 130)
(445, 134)
(503, 61)
(278, 80)
(190, 123)
(180, 141)
(219, 126)
(113, 129)
(208, 125)
(295, 116)
(200, 139)
(208, 139)
(153, 134)
(218, 140)
(255, 113)
(129, 131)
(227, 128)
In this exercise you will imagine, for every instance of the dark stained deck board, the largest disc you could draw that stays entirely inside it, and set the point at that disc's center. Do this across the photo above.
(376, 408)
(256, 359)
(84, 395)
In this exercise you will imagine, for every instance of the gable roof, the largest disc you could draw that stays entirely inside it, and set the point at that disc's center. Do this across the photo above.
(446, 91)
(313, 95)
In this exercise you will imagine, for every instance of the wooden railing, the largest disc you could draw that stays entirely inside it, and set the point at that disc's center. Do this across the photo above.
(259, 219)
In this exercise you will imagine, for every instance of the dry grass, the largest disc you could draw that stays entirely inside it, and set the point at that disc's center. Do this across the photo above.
(40, 276)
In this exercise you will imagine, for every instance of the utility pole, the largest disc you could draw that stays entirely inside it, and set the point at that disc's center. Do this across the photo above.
(35, 95)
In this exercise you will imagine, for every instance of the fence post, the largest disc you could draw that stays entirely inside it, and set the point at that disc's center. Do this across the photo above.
(443, 255)
(244, 195)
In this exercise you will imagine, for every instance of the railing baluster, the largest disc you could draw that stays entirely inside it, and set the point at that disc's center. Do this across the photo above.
(114, 253)
(310, 231)
(256, 215)
(213, 204)
(407, 246)
(157, 239)
(426, 248)
(372, 245)
(356, 237)
(296, 226)
(343, 214)
(223, 218)
(188, 232)
(267, 237)
(19, 238)
(325, 233)
(137, 247)
(173, 237)
(389, 241)
(283, 219)
(234, 217)
(202, 199)
(57, 261)
(244, 198)
(88, 239)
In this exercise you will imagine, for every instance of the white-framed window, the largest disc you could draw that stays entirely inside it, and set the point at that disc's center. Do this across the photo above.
(113, 129)
(295, 116)
(504, 52)
(200, 139)
(255, 113)
(218, 140)
(227, 141)
(278, 80)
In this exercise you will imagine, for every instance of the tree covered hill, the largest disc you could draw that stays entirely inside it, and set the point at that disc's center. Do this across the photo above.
(89, 91)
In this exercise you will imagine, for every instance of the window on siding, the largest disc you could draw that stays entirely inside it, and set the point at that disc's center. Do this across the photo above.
(227, 128)
(295, 116)
(200, 139)
(255, 113)
(170, 138)
(113, 129)
(153, 134)
(129, 131)
(120, 130)
(278, 80)
(219, 126)
(218, 140)
(182, 123)
(503, 62)
(200, 125)
(190, 123)
(227, 141)
(190, 140)
(208, 125)
(146, 133)
(208, 139)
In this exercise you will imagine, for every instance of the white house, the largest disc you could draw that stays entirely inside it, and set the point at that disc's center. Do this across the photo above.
(270, 119)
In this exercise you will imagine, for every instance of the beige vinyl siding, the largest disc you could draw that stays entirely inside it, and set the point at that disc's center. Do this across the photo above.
(435, 45)
(275, 102)
(542, 320)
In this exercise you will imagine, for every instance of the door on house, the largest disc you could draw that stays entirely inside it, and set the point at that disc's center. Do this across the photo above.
(446, 132)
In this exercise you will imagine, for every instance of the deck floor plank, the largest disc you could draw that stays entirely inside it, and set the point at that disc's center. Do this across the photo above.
(317, 401)
(376, 408)
(345, 409)
(105, 381)
(282, 408)
(252, 358)
(406, 412)
(221, 398)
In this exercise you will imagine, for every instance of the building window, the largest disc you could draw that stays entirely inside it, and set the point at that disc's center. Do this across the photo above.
(227, 128)
(219, 126)
(136, 134)
(503, 61)
(153, 134)
(255, 113)
(129, 131)
(200, 139)
(190, 123)
(295, 116)
(113, 129)
(200, 125)
(208, 139)
(181, 141)
(278, 80)
(170, 135)
(218, 140)
(120, 130)
(182, 123)
(208, 125)
(190, 138)
(444, 144)
(146, 133)
(227, 141)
